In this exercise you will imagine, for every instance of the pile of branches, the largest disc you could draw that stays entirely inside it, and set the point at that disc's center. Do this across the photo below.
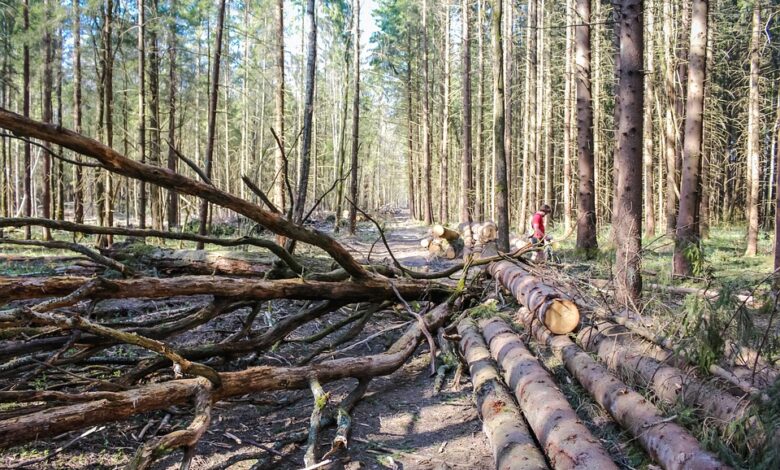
(58, 325)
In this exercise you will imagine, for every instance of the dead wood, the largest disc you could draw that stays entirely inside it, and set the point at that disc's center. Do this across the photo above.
(550, 305)
(177, 262)
(62, 245)
(320, 400)
(511, 441)
(115, 162)
(440, 231)
(567, 443)
(188, 437)
(665, 441)
(72, 227)
(54, 421)
(370, 289)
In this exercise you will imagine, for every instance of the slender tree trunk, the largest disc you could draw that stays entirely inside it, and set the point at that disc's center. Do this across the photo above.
(444, 203)
(502, 196)
(479, 180)
(538, 129)
(628, 222)
(28, 203)
(427, 164)
(669, 121)
(647, 127)
(353, 183)
(687, 234)
(154, 118)
(47, 116)
(60, 179)
(342, 147)
(142, 107)
(530, 138)
(567, 121)
(107, 207)
(212, 119)
(173, 197)
(753, 137)
(466, 171)
(280, 168)
(410, 132)
(308, 112)
(586, 205)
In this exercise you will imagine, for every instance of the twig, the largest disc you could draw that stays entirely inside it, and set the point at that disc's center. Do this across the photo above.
(192, 165)
(259, 193)
(51, 152)
(423, 327)
(58, 449)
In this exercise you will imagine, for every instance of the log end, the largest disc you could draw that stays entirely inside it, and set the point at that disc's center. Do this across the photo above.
(561, 316)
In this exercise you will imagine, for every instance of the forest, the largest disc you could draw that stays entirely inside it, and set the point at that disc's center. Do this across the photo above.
(389, 234)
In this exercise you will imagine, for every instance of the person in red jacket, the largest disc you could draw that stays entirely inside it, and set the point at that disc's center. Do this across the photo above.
(537, 224)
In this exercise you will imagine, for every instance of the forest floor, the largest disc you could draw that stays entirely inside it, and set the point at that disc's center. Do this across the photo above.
(401, 423)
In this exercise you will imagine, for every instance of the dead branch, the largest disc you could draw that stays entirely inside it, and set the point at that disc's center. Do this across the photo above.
(320, 400)
(113, 161)
(63, 245)
(274, 248)
(54, 421)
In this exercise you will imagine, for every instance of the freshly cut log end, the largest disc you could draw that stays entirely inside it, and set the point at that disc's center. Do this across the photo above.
(560, 316)
(564, 438)
(425, 242)
(512, 443)
(551, 306)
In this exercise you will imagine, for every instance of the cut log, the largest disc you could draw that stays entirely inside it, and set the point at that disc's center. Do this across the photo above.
(485, 232)
(666, 442)
(426, 242)
(512, 443)
(563, 437)
(614, 346)
(233, 263)
(55, 421)
(441, 231)
(550, 305)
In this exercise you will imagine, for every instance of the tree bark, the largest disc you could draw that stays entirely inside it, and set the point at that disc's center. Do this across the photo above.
(173, 197)
(628, 222)
(501, 185)
(141, 108)
(647, 127)
(511, 441)
(466, 171)
(154, 117)
(672, 169)
(353, 181)
(308, 111)
(410, 130)
(567, 118)
(687, 233)
(445, 123)
(568, 444)
(754, 133)
(280, 167)
(666, 442)
(28, 203)
(426, 118)
(586, 205)
(47, 116)
(212, 119)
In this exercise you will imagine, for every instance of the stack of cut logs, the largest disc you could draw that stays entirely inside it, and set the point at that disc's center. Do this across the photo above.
(443, 242)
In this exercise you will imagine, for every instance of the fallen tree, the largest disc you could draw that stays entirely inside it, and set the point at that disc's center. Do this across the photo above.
(512, 443)
(670, 384)
(666, 442)
(105, 408)
(563, 437)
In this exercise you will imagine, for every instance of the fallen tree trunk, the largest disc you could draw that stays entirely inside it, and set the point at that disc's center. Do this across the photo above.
(666, 442)
(374, 288)
(512, 443)
(233, 263)
(564, 438)
(670, 384)
(121, 405)
(551, 306)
